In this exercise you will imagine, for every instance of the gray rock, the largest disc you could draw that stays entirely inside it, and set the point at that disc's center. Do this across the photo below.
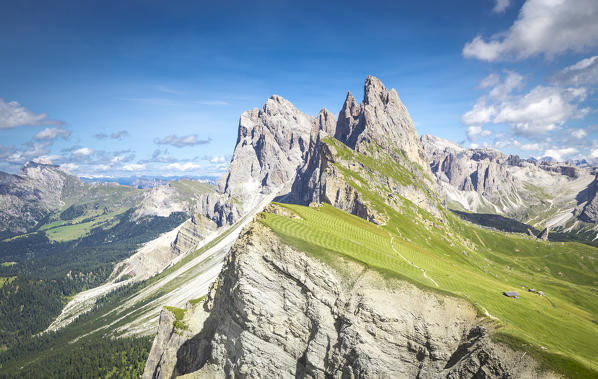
(271, 145)
(278, 312)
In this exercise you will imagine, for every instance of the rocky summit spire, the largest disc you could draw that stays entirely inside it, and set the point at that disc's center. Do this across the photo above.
(271, 145)
(348, 126)
(325, 121)
(381, 118)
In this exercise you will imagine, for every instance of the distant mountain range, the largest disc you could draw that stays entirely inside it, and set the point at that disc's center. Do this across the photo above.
(145, 181)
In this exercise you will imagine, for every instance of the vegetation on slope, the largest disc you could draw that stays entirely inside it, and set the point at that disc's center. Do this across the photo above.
(460, 259)
(48, 273)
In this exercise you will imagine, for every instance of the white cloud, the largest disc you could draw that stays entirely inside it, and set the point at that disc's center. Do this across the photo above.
(187, 166)
(594, 154)
(548, 27)
(481, 113)
(220, 159)
(489, 81)
(52, 134)
(560, 154)
(182, 141)
(583, 73)
(133, 167)
(33, 150)
(473, 132)
(83, 152)
(13, 114)
(501, 6)
(542, 109)
(69, 166)
(579, 133)
(531, 147)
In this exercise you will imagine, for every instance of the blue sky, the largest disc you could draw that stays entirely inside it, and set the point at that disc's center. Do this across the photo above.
(109, 88)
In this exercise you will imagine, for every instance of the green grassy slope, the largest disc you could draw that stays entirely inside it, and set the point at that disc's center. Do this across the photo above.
(458, 258)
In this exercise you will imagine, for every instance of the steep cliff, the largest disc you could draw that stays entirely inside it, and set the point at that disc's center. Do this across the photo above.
(276, 311)
(32, 194)
(379, 144)
(544, 194)
(271, 145)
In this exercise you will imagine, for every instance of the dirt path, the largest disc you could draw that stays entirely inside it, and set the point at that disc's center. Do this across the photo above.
(392, 238)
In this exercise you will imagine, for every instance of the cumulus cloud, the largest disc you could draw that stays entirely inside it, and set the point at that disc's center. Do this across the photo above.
(579, 133)
(187, 166)
(543, 27)
(542, 109)
(82, 153)
(52, 134)
(13, 114)
(182, 141)
(33, 149)
(133, 167)
(69, 166)
(501, 6)
(560, 154)
(583, 73)
(531, 147)
(220, 159)
(473, 132)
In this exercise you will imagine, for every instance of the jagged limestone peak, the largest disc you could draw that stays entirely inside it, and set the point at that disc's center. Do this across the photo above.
(325, 121)
(348, 121)
(271, 145)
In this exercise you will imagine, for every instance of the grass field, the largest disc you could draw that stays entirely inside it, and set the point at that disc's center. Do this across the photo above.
(455, 257)
(69, 230)
(478, 268)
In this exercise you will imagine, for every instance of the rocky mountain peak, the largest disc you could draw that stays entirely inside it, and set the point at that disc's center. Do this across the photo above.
(348, 121)
(380, 118)
(271, 145)
(376, 93)
(325, 122)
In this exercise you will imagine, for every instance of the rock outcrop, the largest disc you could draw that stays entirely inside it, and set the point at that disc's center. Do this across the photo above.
(589, 202)
(29, 196)
(379, 128)
(278, 312)
(271, 145)
(381, 118)
(488, 181)
(192, 232)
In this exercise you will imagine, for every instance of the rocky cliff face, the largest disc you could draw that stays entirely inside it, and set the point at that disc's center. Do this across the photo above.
(192, 232)
(588, 209)
(487, 181)
(29, 196)
(379, 128)
(271, 145)
(382, 119)
(278, 312)
(481, 170)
